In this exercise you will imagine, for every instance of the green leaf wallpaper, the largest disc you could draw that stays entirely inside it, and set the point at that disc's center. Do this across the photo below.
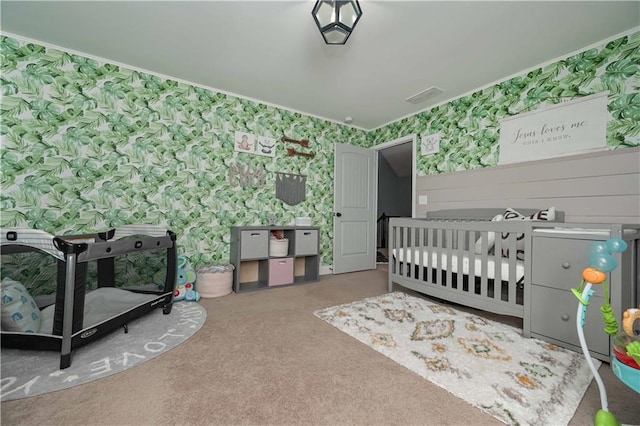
(88, 145)
(469, 126)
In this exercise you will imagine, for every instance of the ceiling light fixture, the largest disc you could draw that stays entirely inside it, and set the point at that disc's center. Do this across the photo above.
(336, 19)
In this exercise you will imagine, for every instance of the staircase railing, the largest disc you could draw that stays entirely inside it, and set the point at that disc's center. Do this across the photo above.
(383, 230)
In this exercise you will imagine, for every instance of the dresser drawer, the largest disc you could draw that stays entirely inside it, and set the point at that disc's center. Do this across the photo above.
(306, 242)
(559, 262)
(254, 244)
(553, 314)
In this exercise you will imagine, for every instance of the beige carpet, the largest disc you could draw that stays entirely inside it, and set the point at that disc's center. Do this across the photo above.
(263, 358)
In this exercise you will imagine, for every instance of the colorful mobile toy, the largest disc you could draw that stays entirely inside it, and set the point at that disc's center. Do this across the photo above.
(602, 261)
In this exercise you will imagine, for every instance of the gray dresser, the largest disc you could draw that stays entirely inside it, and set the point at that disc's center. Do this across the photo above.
(558, 255)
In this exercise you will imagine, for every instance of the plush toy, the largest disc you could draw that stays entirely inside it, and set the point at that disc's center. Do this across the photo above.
(629, 318)
(185, 283)
(185, 288)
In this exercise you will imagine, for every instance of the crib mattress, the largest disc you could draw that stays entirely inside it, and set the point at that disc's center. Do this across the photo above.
(461, 265)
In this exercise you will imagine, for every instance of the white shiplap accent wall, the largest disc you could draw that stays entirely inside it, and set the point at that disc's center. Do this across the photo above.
(593, 188)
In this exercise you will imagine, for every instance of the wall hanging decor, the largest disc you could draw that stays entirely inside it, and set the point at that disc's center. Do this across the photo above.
(266, 146)
(245, 142)
(291, 152)
(245, 176)
(301, 142)
(571, 127)
(259, 145)
(291, 188)
(430, 144)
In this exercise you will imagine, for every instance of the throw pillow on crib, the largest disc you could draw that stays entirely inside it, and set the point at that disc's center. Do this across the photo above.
(19, 311)
(511, 214)
(491, 237)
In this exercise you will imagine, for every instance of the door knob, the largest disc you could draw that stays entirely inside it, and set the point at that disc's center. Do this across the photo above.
(338, 214)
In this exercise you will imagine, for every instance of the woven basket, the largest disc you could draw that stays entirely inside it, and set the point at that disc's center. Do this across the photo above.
(214, 284)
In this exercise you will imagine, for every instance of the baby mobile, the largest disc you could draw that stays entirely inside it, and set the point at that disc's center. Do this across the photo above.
(601, 261)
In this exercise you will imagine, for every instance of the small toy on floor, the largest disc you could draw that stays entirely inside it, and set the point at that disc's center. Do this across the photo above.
(185, 283)
(185, 287)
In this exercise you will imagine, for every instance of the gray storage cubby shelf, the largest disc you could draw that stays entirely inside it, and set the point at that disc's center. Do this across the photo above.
(256, 268)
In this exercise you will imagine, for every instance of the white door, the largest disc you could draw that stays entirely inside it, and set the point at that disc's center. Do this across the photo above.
(354, 216)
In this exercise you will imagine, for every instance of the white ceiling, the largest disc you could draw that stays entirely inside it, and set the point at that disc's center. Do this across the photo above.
(271, 51)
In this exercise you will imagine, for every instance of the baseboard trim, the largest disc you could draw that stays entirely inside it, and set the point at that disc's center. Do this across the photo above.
(326, 269)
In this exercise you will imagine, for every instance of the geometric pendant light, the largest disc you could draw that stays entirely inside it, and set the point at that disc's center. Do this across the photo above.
(336, 19)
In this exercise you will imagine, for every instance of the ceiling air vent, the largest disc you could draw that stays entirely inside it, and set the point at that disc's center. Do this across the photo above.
(424, 95)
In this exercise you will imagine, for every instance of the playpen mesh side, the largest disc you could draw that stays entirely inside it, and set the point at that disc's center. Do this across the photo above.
(140, 270)
(35, 269)
(38, 271)
(43, 275)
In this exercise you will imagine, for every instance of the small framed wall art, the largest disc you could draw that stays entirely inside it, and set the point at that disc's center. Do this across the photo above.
(266, 146)
(430, 144)
(245, 142)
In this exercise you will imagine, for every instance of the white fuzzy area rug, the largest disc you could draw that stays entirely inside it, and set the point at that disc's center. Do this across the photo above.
(487, 364)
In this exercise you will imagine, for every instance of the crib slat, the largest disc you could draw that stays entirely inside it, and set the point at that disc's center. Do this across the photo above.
(438, 250)
(448, 242)
(484, 267)
(429, 250)
(407, 251)
(419, 254)
(472, 259)
(393, 253)
(497, 276)
(512, 259)
(460, 275)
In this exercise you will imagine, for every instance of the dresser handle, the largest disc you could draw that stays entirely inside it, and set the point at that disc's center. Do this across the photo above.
(566, 265)
(564, 317)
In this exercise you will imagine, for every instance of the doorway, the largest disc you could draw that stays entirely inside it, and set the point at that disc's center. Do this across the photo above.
(355, 238)
(396, 187)
(354, 220)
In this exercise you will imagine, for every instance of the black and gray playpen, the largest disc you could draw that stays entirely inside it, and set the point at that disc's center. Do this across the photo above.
(86, 286)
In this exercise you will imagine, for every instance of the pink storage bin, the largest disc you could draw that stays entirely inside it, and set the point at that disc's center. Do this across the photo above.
(280, 271)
